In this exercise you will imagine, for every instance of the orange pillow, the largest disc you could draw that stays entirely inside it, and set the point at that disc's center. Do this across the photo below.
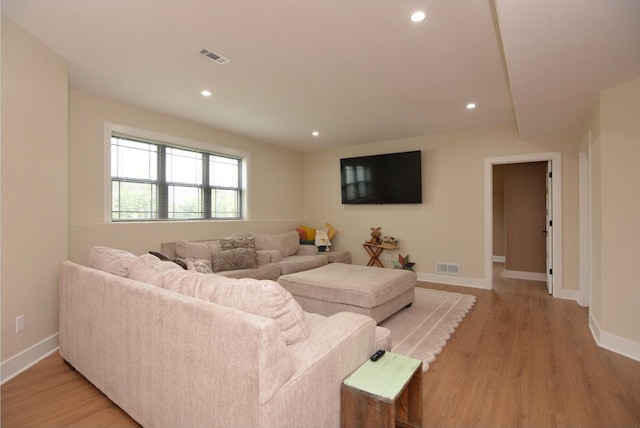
(302, 234)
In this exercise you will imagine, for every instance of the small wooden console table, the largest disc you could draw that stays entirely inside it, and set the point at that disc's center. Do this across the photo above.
(384, 393)
(374, 250)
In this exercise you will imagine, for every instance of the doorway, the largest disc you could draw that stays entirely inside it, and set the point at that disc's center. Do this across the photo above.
(555, 221)
(520, 209)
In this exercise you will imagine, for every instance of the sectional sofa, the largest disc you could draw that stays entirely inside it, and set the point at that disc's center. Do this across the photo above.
(275, 255)
(174, 347)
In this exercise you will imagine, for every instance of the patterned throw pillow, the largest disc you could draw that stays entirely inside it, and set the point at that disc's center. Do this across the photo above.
(234, 259)
(198, 265)
(229, 244)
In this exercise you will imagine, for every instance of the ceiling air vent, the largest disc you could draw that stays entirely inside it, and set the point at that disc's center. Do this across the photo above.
(219, 59)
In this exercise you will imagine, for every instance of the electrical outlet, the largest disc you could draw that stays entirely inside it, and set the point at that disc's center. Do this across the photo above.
(387, 257)
(19, 323)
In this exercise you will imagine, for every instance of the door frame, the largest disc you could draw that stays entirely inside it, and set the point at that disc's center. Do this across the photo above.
(555, 159)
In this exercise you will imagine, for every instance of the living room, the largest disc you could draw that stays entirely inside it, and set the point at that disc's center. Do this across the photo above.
(43, 113)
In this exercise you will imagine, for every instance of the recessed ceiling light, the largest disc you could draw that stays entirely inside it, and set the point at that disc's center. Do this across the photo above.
(205, 93)
(418, 16)
(315, 133)
(471, 106)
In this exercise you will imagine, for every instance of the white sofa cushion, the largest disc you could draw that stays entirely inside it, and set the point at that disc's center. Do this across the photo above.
(111, 260)
(264, 298)
(286, 243)
(197, 250)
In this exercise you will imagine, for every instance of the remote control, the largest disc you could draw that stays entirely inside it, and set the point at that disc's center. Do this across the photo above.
(377, 355)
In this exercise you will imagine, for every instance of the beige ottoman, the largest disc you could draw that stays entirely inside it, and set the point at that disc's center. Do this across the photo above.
(339, 287)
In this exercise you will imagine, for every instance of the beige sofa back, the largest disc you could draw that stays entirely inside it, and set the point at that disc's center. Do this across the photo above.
(169, 359)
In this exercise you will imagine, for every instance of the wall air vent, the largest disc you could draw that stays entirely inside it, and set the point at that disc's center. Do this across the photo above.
(217, 58)
(448, 268)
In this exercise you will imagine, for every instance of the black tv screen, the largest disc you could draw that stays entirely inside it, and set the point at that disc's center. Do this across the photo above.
(393, 178)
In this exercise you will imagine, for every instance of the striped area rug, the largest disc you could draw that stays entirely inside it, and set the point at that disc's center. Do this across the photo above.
(422, 330)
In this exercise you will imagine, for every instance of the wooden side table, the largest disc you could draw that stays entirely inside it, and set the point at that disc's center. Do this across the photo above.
(383, 393)
(374, 251)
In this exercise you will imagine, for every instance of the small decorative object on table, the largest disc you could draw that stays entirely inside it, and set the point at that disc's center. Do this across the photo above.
(403, 263)
(375, 236)
(390, 240)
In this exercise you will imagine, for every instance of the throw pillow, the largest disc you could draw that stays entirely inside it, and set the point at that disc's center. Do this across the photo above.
(309, 231)
(264, 298)
(228, 244)
(110, 260)
(234, 259)
(322, 239)
(302, 233)
(331, 231)
(199, 265)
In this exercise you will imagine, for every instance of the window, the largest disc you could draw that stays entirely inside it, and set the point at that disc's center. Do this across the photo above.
(156, 181)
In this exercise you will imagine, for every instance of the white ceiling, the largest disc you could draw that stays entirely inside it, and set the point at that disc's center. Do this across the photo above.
(357, 71)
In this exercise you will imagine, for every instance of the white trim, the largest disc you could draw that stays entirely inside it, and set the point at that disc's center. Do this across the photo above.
(585, 228)
(454, 280)
(529, 276)
(617, 344)
(27, 358)
(570, 294)
(110, 128)
(499, 259)
(556, 165)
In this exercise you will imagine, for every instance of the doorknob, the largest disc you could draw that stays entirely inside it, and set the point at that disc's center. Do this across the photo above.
(544, 231)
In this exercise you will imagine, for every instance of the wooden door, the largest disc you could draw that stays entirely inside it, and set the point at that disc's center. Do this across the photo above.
(525, 219)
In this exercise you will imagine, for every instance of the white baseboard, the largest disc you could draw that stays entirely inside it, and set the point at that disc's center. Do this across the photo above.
(531, 276)
(570, 294)
(454, 280)
(499, 259)
(614, 343)
(27, 358)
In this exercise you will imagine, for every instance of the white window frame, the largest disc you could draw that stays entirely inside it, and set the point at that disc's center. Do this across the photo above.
(178, 142)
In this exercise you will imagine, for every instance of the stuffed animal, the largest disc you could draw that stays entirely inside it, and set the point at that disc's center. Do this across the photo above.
(375, 236)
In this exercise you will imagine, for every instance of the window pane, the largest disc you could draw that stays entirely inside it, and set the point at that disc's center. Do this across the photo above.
(132, 159)
(183, 166)
(134, 200)
(185, 202)
(225, 204)
(223, 172)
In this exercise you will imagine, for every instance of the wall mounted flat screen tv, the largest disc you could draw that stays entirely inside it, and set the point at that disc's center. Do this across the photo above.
(393, 178)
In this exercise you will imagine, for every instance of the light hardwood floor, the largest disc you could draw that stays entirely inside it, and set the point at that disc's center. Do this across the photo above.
(519, 359)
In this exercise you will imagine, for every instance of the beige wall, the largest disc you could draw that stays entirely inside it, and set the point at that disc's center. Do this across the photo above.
(449, 225)
(276, 190)
(34, 186)
(619, 197)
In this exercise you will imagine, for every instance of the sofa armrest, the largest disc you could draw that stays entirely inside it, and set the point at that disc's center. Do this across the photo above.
(307, 250)
(337, 346)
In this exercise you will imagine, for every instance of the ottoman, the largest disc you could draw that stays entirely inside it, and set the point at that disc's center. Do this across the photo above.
(338, 287)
